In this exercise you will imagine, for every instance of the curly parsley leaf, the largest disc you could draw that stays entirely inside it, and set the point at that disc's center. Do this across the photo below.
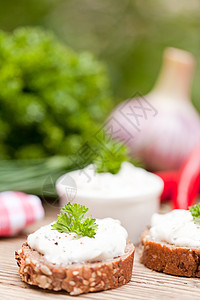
(110, 157)
(195, 211)
(71, 220)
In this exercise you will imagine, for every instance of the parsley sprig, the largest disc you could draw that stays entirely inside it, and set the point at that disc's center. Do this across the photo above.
(71, 220)
(110, 154)
(110, 157)
(195, 211)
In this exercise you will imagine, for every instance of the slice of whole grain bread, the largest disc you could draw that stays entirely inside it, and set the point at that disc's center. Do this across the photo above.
(167, 258)
(76, 278)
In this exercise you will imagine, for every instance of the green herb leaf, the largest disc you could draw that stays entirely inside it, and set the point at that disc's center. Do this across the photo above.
(195, 211)
(111, 155)
(71, 220)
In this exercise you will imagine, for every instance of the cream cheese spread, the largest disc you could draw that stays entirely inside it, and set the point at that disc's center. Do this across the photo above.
(129, 181)
(176, 227)
(67, 248)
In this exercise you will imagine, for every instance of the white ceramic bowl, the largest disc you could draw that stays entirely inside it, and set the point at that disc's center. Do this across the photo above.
(133, 210)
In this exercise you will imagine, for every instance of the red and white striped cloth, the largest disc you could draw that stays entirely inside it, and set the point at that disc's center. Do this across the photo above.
(17, 210)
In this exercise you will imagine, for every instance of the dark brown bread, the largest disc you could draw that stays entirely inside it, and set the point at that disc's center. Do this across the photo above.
(170, 259)
(76, 278)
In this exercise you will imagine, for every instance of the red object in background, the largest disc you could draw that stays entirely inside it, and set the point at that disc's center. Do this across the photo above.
(170, 179)
(18, 210)
(183, 186)
(188, 181)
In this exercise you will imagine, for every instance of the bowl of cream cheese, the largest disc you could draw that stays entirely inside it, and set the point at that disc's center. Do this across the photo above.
(131, 196)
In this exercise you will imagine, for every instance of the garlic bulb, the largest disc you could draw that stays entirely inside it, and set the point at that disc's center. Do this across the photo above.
(162, 127)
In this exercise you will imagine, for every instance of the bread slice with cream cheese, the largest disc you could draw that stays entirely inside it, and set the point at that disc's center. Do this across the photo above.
(164, 257)
(172, 244)
(76, 279)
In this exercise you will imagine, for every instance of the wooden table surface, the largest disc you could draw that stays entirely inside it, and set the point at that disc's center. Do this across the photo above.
(145, 284)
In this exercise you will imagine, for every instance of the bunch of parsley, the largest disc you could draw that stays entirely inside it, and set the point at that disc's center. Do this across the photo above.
(50, 96)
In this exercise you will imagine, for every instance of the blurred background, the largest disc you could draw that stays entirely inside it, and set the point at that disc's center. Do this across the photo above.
(125, 41)
(129, 36)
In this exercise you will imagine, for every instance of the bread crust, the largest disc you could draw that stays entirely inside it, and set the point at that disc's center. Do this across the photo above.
(76, 279)
(167, 258)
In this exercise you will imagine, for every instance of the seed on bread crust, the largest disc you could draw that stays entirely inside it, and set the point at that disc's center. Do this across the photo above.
(45, 270)
(76, 278)
(167, 258)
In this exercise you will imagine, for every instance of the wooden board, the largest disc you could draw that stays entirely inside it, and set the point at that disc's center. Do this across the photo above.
(145, 284)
